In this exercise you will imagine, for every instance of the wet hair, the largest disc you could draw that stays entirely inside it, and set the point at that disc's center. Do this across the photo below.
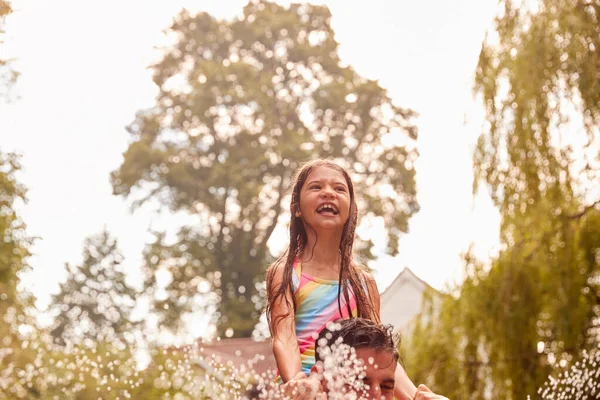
(359, 333)
(351, 278)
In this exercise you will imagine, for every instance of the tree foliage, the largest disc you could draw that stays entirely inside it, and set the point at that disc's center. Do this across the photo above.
(537, 307)
(241, 105)
(14, 248)
(14, 253)
(94, 302)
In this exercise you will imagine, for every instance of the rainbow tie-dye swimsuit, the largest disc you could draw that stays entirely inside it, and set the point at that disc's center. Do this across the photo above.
(316, 305)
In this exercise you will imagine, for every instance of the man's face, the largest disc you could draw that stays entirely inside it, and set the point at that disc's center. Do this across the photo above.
(377, 378)
(379, 374)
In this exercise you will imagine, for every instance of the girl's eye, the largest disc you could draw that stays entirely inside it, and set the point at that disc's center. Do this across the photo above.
(315, 187)
(340, 189)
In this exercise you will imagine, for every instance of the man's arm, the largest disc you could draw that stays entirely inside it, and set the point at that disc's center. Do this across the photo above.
(404, 389)
(424, 393)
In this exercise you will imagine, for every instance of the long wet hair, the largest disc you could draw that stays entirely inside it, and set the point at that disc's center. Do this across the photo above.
(351, 276)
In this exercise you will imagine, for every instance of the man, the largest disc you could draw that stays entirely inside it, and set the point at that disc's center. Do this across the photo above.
(355, 358)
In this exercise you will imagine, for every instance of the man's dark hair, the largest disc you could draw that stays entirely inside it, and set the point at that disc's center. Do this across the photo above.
(359, 333)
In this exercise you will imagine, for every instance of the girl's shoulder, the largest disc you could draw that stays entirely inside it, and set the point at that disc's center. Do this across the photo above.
(276, 271)
(276, 265)
(366, 277)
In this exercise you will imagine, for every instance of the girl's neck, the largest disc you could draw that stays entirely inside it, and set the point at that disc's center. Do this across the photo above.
(322, 254)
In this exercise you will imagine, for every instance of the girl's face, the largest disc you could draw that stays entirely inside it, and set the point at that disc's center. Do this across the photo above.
(324, 199)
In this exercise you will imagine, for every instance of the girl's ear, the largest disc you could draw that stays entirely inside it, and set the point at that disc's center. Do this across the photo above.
(298, 214)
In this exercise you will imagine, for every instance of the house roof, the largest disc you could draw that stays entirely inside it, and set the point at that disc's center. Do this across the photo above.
(242, 353)
(408, 275)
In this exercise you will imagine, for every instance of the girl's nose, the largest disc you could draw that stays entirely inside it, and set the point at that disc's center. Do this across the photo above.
(326, 193)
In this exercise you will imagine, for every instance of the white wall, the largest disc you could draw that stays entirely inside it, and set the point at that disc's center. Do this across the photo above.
(401, 302)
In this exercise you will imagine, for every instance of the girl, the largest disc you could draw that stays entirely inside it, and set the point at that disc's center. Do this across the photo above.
(316, 280)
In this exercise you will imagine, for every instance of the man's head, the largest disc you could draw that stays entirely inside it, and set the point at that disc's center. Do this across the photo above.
(375, 347)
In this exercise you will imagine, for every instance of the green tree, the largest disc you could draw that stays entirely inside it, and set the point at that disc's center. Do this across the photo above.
(241, 105)
(14, 252)
(15, 243)
(14, 248)
(538, 303)
(95, 302)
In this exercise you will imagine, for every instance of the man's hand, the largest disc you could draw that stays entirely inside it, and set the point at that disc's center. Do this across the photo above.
(301, 387)
(424, 393)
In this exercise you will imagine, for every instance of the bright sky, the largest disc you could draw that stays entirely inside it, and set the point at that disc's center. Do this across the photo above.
(83, 77)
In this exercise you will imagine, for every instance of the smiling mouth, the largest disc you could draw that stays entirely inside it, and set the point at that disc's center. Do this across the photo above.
(327, 209)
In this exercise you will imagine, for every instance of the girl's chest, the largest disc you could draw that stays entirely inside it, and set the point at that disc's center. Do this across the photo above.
(324, 274)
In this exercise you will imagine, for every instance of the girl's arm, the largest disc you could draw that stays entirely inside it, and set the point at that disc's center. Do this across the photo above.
(404, 389)
(285, 343)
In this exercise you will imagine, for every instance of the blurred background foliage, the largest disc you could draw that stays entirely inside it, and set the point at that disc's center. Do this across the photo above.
(241, 104)
(536, 308)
